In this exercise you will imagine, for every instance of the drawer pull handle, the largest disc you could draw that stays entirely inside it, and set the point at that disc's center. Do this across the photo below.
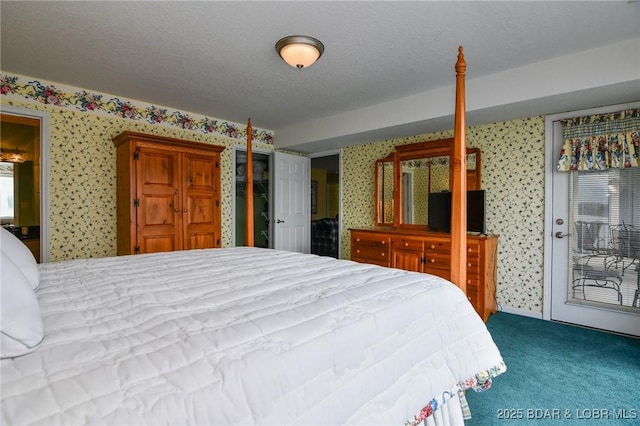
(383, 242)
(382, 254)
(432, 246)
(358, 251)
(358, 239)
(406, 244)
(469, 265)
(432, 260)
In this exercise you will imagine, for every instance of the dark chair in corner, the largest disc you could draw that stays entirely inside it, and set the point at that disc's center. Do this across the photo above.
(324, 237)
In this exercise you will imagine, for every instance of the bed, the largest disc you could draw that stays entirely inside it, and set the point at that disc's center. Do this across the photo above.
(239, 335)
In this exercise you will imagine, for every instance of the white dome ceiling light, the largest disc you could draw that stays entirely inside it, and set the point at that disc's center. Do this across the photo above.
(299, 51)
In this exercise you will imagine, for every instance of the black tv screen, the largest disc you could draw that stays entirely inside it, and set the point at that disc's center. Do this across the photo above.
(439, 213)
(476, 211)
(439, 217)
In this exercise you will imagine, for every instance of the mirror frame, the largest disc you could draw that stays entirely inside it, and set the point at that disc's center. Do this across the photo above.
(435, 148)
(379, 198)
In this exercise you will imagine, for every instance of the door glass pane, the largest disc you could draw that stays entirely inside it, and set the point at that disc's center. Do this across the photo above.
(261, 198)
(6, 193)
(605, 238)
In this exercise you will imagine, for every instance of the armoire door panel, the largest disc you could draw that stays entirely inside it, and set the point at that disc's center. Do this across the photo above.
(157, 199)
(158, 168)
(200, 201)
(201, 240)
(158, 210)
(158, 243)
(200, 210)
(200, 173)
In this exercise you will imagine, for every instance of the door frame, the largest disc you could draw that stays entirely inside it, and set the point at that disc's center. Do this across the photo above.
(331, 153)
(234, 167)
(45, 171)
(549, 228)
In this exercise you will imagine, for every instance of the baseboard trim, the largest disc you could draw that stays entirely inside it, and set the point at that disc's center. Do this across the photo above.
(522, 312)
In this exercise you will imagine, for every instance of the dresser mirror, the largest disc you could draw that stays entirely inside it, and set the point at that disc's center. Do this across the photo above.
(384, 192)
(418, 169)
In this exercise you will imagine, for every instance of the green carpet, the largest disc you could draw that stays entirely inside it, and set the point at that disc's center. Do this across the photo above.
(559, 374)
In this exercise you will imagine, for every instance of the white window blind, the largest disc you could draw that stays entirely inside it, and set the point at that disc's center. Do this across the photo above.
(605, 218)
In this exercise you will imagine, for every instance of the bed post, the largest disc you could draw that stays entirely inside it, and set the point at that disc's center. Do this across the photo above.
(459, 183)
(249, 189)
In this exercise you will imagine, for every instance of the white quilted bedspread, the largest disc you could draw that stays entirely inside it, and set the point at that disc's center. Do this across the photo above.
(241, 336)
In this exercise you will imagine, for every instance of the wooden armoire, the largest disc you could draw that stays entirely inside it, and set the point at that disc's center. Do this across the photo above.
(168, 194)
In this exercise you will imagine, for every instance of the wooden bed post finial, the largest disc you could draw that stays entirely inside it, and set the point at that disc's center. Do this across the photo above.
(461, 65)
(248, 236)
(459, 182)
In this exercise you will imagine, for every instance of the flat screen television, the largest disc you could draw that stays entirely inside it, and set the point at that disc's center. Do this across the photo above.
(439, 217)
(439, 212)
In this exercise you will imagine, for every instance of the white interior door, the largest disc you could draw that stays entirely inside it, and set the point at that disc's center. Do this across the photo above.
(585, 285)
(292, 203)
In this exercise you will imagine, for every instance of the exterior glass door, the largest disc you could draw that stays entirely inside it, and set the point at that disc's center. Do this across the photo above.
(593, 242)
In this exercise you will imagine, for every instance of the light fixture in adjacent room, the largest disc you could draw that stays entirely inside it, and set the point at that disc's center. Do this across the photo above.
(14, 156)
(299, 51)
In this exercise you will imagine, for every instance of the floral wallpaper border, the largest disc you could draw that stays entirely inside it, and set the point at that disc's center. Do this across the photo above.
(47, 93)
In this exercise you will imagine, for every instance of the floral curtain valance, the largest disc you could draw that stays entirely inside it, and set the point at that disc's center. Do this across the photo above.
(600, 142)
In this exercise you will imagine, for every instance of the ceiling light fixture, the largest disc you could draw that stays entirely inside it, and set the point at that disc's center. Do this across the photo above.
(12, 156)
(299, 51)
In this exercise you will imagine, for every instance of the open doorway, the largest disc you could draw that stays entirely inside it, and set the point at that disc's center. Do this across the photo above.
(24, 177)
(20, 165)
(325, 204)
(261, 198)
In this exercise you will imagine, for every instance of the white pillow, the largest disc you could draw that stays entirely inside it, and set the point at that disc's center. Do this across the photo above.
(20, 254)
(21, 323)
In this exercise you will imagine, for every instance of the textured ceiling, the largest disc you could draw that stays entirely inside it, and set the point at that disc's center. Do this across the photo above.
(218, 58)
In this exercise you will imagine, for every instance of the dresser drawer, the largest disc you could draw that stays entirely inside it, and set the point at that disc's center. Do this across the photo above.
(473, 249)
(437, 247)
(371, 252)
(360, 239)
(473, 266)
(473, 282)
(406, 243)
(440, 272)
(472, 296)
(379, 262)
(438, 259)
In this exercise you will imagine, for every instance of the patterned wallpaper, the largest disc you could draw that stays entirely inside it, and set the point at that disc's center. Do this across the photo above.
(512, 175)
(83, 178)
(21, 87)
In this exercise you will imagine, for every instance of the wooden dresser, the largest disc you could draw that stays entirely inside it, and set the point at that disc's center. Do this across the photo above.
(430, 252)
(168, 194)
